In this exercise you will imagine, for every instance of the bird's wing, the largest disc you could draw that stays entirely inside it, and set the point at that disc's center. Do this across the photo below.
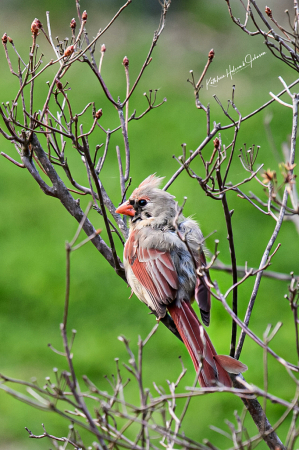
(154, 269)
(202, 295)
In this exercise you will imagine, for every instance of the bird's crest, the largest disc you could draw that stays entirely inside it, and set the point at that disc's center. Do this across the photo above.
(151, 182)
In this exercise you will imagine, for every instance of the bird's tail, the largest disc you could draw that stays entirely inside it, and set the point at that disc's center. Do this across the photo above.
(200, 346)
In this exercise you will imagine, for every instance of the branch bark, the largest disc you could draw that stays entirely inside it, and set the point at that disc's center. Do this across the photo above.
(60, 191)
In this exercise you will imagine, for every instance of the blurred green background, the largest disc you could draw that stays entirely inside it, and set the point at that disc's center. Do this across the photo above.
(34, 228)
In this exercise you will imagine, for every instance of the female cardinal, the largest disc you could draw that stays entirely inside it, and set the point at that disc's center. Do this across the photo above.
(162, 258)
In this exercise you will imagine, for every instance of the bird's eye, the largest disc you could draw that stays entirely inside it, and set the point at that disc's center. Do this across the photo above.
(142, 202)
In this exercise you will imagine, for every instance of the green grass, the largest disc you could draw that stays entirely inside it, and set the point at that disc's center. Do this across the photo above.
(34, 228)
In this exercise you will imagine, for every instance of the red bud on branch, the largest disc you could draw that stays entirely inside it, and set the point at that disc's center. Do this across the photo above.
(73, 23)
(211, 54)
(99, 114)
(216, 143)
(36, 26)
(69, 50)
(268, 11)
(59, 84)
(126, 61)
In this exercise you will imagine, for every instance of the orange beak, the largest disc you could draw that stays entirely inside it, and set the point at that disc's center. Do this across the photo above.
(126, 209)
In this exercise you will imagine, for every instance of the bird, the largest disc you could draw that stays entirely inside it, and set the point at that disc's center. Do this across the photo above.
(165, 267)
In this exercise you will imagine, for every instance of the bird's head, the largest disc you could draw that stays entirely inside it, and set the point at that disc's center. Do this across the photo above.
(150, 205)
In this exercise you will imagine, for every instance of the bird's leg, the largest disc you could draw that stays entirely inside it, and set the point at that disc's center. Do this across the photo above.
(132, 292)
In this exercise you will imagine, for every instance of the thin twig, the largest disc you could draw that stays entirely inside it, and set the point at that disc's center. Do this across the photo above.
(275, 232)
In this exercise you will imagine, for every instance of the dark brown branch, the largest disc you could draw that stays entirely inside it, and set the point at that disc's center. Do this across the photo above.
(157, 34)
(194, 154)
(73, 384)
(50, 436)
(60, 191)
(228, 219)
(121, 173)
(12, 160)
(241, 272)
(261, 421)
(247, 331)
(126, 142)
(100, 164)
(275, 232)
(100, 78)
(116, 261)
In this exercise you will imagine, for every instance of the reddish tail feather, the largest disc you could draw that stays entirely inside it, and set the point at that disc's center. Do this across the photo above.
(198, 344)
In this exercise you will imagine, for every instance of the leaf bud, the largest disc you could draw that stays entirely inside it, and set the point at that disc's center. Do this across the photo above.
(73, 23)
(268, 11)
(35, 26)
(103, 48)
(4, 38)
(269, 176)
(99, 113)
(59, 84)
(84, 15)
(126, 61)
(211, 54)
(216, 143)
(38, 23)
(69, 50)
